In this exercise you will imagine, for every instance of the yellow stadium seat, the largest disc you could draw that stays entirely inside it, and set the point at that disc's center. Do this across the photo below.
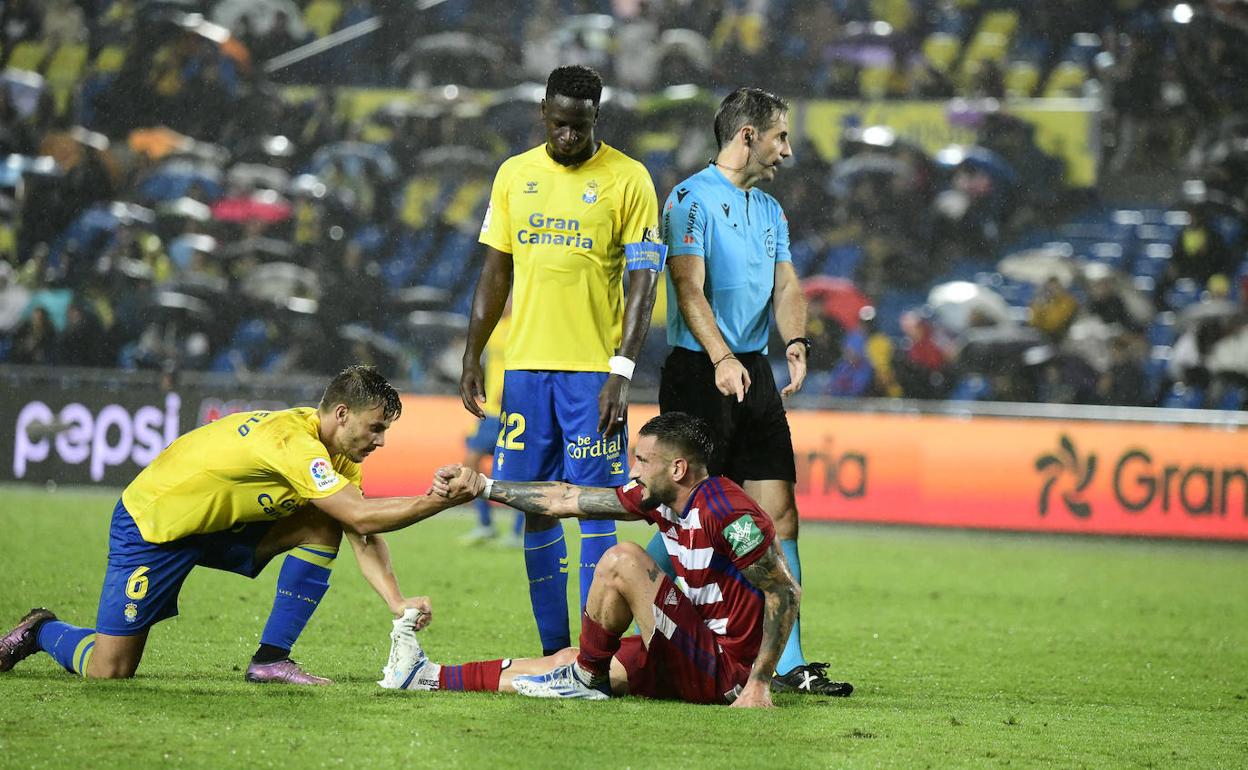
(1021, 79)
(1002, 22)
(941, 50)
(987, 45)
(418, 199)
(28, 55)
(873, 82)
(65, 68)
(321, 15)
(1066, 79)
(468, 198)
(898, 13)
(109, 59)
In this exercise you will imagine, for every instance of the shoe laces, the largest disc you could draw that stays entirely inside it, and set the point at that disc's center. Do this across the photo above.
(820, 670)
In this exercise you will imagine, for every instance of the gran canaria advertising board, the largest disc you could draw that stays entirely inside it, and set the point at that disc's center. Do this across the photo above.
(1083, 476)
(1044, 475)
(1076, 476)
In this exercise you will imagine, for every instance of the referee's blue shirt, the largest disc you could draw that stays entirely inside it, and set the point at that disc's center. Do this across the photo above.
(741, 236)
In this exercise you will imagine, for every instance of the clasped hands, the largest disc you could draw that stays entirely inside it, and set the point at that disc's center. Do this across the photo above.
(457, 481)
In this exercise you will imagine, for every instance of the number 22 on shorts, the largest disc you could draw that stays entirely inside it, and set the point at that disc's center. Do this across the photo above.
(510, 429)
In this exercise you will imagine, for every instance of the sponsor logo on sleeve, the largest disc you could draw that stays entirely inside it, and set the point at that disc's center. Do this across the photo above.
(485, 221)
(323, 474)
(743, 535)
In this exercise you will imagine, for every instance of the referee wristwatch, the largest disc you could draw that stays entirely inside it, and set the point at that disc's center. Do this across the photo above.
(805, 341)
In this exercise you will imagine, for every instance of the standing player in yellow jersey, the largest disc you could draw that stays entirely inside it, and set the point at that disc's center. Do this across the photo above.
(231, 495)
(566, 220)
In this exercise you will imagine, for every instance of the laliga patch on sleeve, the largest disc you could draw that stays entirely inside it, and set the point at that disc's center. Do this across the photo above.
(743, 535)
(323, 474)
(645, 256)
(485, 221)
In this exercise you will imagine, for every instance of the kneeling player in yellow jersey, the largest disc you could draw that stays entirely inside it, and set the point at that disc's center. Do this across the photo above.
(231, 495)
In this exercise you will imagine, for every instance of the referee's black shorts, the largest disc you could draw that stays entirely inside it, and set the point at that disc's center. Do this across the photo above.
(752, 439)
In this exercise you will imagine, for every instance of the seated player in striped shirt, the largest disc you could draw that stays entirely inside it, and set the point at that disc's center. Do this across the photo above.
(712, 635)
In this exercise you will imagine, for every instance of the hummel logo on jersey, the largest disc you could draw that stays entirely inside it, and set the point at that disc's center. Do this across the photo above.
(727, 212)
(680, 195)
(530, 187)
(743, 535)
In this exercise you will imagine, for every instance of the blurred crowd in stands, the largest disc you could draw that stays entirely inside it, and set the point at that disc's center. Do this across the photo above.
(179, 193)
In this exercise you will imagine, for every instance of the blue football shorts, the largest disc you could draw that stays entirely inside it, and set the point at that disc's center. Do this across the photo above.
(142, 581)
(548, 431)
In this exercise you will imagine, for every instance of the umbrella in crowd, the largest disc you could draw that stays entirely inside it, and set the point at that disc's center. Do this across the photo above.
(15, 167)
(180, 177)
(25, 89)
(253, 176)
(275, 282)
(1207, 310)
(997, 349)
(260, 14)
(838, 298)
(185, 209)
(352, 158)
(263, 249)
(851, 170)
(1040, 264)
(957, 305)
(979, 159)
(452, 58)
(261, 206)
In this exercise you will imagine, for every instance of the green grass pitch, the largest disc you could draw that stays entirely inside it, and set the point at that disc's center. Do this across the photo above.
(967, 649)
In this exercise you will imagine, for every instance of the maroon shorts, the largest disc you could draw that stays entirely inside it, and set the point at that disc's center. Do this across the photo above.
(683, 660)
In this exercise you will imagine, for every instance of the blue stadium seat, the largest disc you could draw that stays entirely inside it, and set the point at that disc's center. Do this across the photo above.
(842, 261)
(1233, 399)
(1181, 396)
(973, 387)
(1161, 331)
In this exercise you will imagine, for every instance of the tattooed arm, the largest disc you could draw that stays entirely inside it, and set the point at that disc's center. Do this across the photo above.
(781, 594)
(552, 498)
(555, 498)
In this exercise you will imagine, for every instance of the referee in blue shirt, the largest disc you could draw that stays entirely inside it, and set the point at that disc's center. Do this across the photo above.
(728, 265)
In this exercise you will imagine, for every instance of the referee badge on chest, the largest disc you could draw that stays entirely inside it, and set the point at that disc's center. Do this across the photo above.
(769, 243)
(591, 191)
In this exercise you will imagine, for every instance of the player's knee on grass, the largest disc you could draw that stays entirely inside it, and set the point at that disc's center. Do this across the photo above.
(115, 657)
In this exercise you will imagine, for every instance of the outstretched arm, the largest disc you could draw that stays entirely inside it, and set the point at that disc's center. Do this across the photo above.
(373, 556)
(552, 498)
(370, 515)
(781, 595)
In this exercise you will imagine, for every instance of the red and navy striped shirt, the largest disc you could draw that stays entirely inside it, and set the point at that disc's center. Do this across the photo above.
(720, 533)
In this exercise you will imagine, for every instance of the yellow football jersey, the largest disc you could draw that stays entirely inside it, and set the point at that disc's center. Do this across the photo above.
(250, 466)
(566, 229)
